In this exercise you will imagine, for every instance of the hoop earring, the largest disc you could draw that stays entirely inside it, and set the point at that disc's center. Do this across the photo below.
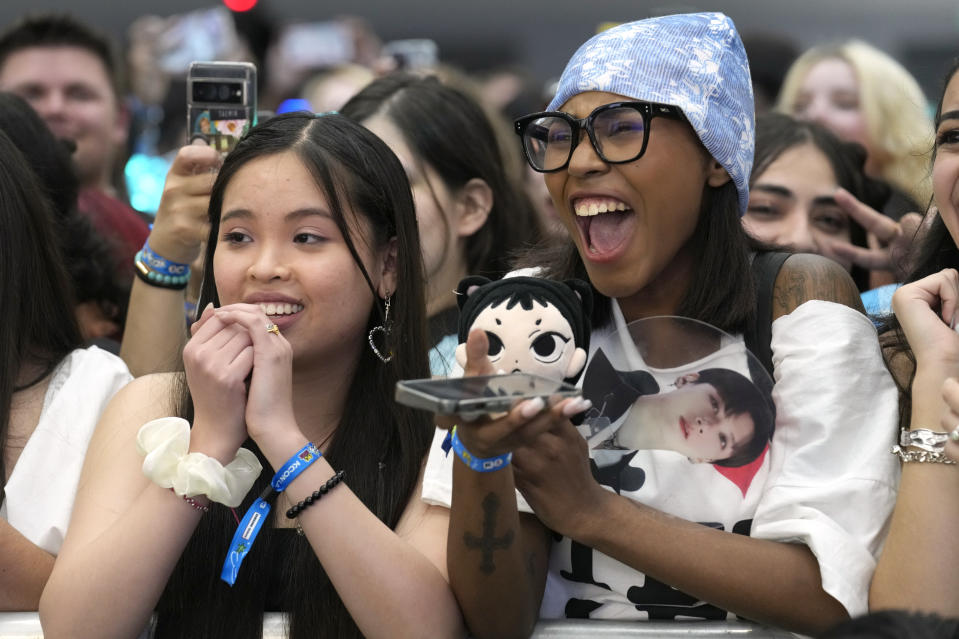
(386, 328)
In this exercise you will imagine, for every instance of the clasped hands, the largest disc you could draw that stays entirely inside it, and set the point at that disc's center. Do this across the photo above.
(240, 375)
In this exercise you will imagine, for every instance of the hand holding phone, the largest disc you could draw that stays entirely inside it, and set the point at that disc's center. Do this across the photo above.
(181, 224)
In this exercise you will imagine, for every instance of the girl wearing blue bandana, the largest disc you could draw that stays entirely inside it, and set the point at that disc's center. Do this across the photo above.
(646, 150)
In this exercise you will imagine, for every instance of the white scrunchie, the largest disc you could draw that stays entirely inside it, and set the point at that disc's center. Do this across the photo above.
(165, 443)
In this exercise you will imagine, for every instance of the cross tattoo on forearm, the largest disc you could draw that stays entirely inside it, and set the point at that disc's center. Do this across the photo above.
(489, 542)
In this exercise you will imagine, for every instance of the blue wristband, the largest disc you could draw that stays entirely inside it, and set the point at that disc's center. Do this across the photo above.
(156, 278)
(244, 536)
(478, 464)
(296, 465)
(162, 265)
(252, 521)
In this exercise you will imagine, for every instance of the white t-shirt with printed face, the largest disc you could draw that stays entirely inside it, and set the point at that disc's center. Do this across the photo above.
(827, 479)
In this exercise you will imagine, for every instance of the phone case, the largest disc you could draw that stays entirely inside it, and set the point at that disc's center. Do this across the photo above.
(477, 395)
(221, 102)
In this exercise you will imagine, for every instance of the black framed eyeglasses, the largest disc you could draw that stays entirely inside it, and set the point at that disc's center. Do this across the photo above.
(618, 131)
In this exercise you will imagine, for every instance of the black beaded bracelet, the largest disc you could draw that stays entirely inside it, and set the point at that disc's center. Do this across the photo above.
(306, 503)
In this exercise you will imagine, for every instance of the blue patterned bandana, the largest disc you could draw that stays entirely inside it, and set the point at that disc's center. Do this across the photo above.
(694, 61)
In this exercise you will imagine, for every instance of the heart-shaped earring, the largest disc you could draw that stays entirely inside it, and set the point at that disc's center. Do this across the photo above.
(384, 328)
(376, 351)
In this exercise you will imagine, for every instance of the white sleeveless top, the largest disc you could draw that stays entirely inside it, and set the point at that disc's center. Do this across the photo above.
(38, 499)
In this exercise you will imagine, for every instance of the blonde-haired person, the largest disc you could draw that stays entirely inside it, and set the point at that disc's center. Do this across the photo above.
(863, 95)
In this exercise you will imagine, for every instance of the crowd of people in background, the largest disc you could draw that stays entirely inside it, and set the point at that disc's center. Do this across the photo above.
(166, 349)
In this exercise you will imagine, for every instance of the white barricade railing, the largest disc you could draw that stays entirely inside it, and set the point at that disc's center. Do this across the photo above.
(26, 625)
(20, 625)
(576, 629)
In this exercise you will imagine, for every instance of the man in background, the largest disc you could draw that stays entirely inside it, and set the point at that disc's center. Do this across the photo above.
(69, 74)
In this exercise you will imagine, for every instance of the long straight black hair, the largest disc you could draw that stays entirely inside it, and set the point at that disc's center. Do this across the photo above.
(380, 444)
(449, 132)
(38, 328)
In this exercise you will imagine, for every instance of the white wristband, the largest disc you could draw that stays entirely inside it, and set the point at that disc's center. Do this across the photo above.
(166, 442)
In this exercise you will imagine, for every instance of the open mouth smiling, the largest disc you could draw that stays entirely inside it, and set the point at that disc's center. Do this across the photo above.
(604, 223)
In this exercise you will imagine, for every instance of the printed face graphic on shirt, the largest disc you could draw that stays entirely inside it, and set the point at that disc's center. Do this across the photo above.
(700, 427)
(537, 341)
(695, 419)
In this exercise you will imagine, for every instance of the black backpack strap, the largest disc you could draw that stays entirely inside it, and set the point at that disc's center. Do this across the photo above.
(759, 333)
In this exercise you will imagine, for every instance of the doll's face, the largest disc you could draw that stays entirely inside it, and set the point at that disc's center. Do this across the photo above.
(538, 341)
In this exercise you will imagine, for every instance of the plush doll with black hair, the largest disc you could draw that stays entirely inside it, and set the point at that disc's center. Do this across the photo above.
(533, 325)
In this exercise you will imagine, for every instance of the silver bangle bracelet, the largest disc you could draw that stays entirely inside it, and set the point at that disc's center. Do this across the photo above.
(923, 439)
(921, 456)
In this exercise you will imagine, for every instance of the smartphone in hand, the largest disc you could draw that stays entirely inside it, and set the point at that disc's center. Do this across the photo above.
(479, 395)
(220, 102)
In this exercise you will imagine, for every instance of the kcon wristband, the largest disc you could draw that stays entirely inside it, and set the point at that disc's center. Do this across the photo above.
(252, 521)
(246, 532)
(161, 265)
(294, 466)
(479, 464)
(159, 271)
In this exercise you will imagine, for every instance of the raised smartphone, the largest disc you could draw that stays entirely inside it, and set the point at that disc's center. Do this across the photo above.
(412, 55)
(220, 102)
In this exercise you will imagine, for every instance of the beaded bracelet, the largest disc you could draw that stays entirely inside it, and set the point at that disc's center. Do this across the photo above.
(293, 512)
(159, 271)
(193, 502)
(154, 278)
